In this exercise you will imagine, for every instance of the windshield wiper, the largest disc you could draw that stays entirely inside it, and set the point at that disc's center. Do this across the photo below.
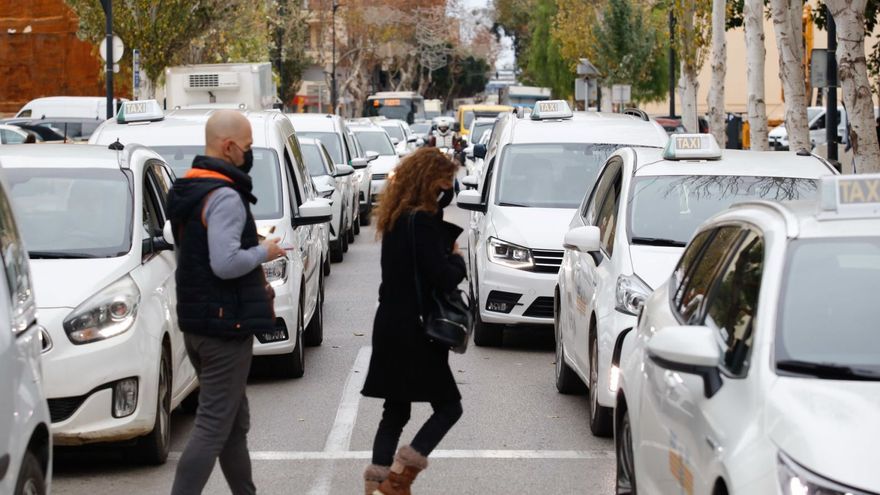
(656, 241)
(518, 205)
(826, 370)
(58, 255)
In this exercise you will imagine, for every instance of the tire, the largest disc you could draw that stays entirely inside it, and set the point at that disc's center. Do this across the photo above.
(191, 404)
(350, 235)
(336, 251)
(31, 479)
(600, 416)
(567, 381)
(314, 333)
(357, 225)
(327, 268)
(368, 211)
(626, 479)
(292, 365)
(487, 334)
(344, 237)
(153, 448)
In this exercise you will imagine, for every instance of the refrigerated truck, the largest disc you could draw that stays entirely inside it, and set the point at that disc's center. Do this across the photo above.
(242, 86)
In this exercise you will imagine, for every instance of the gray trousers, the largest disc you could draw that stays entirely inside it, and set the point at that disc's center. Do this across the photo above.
(222, 419)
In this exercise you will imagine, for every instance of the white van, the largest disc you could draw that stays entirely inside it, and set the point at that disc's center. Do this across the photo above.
(77, 107)
(816, 119)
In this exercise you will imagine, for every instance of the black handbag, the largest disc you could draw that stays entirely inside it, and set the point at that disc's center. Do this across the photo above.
(448, 320)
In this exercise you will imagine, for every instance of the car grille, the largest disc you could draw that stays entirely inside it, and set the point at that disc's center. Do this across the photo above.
(547, 261)
(63, 408)
(380, 176)
(541, 308)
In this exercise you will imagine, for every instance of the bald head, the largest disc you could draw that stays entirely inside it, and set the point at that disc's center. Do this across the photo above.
(227, 136)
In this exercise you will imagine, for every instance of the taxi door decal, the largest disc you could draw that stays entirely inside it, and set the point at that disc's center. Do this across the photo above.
(678, 466)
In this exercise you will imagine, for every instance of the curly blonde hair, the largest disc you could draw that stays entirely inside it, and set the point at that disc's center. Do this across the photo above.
(414, 186)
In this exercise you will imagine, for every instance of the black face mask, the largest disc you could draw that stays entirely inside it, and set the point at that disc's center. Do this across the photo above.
(248, 162)
(445, 197)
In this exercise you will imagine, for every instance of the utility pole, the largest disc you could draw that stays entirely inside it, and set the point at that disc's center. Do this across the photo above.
(671, 63)
(831, 122)
(108, 13)
(334, 95)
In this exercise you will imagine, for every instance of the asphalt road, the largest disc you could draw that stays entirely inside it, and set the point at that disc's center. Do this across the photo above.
(313, 435)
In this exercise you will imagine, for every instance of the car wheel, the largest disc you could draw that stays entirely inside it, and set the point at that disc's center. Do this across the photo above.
(626, 473)
(153, 448)
(350, 235)
(368, 211)
(191, 404)
(567, 382)
(293, 365)
(344, 237)
(600, 416)
(487, 334)
(314, 333)
(31, 479)
(357, 224)
(327, 269)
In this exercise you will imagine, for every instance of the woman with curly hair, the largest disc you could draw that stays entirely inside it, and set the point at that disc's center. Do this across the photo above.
(405, 366)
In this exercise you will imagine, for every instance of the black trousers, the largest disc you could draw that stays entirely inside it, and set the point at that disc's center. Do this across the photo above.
(396, 416)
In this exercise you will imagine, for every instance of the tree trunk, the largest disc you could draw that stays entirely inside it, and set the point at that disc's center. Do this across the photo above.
(786, 15)
(719, 63)
(852, 71)
(689, 86)
(753, 13)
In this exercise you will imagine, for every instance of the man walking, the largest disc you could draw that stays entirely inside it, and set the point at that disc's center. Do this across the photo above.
(222, 299)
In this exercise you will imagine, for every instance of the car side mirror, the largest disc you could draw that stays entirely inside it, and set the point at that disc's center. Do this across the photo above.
(585, 239)
(168, 233)
(358, 163)
(395, 141)
(343, 170)
(471, 200)
(371, 156)
(470, 182)
(313, 212)
(688, 349)
(480, 151)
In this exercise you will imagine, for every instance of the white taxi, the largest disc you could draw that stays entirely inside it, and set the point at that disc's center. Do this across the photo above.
(288, 208)
(755, 369)
(25, 439)
(538, 168)
(378, 149)
(629, 232)
(94, 223)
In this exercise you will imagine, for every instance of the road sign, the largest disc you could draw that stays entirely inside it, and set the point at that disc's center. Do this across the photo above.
(118, 49)
(621, 93)
(819, 69)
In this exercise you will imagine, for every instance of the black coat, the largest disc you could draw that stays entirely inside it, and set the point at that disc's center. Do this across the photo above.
(405, 365)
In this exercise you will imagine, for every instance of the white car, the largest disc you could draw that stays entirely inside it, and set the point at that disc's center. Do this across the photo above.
(401, 136)
(94, 223)
(288, 209)
(631, 229)
(336, 136)
(476, 151)
(778, 136)
(25, 438)
(379, 149)
(755, 369)
(9, 134)
(538, 168)
(333, 183)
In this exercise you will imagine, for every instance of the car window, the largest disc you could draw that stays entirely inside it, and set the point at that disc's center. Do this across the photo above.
(607, 217)
(331, 140)
(163, 182)
(687, 262)
(291, 191)
(10, 137)
(734, 301)
(603, 184)
(301, 171)
(394, 131)
(328, 161)
(153, 220)
(314, 159)
(691, 295)
(376, 141)
(15, 265)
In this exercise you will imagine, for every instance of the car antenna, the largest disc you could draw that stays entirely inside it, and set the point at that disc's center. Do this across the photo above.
(116, 145)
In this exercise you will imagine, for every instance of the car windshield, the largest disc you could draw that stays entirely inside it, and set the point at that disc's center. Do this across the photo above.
(330, 140)
(828, 311)
(265, 176)
(312, 156)
(421, 128)
(72, 213)
(394, 131)
(552, 175)
(671, 207)
(375, 141)
(812, 113)
(479, 130)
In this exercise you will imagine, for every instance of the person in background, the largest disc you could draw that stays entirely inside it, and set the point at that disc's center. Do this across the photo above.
(223, 299)
(405, 367)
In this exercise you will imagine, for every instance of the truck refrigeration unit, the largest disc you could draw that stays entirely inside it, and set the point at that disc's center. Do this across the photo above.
(244, 86)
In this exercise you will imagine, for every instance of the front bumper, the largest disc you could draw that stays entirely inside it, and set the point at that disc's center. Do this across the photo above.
(376, 187)
(610, 327)
(529, 293)
(79, 380)
(283, 340)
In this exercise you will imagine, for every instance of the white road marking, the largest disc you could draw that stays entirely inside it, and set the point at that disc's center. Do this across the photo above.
(339, 439)
(437, 454)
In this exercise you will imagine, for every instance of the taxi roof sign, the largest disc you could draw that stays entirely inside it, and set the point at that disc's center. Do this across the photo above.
(851, 196)
(692, 147)
(140, 111)
(551, 110)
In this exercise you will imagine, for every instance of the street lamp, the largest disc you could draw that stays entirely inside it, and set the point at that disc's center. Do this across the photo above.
(108, 13)
(333, 90)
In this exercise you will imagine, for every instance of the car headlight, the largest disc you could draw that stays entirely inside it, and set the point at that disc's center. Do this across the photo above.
(108, 313)
(275, 270)
(795, 480)
(510, 255)
(631, 294)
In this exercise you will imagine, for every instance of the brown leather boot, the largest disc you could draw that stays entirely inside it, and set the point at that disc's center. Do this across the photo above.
(407, 465)
(373, 476)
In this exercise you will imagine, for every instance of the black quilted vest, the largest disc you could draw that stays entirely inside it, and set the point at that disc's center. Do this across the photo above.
(207, 304)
